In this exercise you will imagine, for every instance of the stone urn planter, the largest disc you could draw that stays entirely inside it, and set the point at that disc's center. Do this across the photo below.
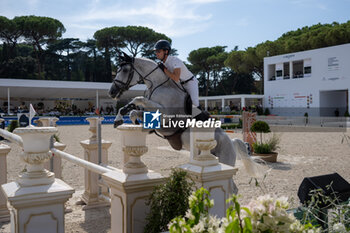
(271, 157)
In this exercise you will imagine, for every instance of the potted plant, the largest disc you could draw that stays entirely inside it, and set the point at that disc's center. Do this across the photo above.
(266, 150)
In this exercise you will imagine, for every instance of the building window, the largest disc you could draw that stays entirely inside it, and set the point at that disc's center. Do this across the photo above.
(298, 69)
(279, 73)
(286, 70)
(271, 72)
(307, 70)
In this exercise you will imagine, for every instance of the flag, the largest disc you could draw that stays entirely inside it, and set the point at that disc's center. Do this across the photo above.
(32, 113)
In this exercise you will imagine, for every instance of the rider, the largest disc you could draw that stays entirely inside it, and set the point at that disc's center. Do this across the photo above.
(174, 68)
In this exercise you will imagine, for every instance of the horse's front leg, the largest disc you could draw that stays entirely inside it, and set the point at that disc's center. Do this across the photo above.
(123, 111)
(136, 115)
(139, 101)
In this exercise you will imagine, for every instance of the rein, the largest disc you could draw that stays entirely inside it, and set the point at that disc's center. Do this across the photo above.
(142, 79)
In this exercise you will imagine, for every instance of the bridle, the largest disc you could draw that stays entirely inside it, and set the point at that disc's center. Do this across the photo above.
(126, 85)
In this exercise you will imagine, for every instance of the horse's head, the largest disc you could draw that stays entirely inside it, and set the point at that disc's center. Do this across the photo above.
(126, 77)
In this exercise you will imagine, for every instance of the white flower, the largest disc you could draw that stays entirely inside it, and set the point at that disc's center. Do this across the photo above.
(189, 215)
(192, 198)
(199, 227)
(339, 228)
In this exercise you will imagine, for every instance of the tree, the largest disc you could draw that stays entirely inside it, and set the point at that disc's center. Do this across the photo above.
(234, 83)
(18, 67)
(140, 40)
(9, 34)
(92, 50)
(109, 40)
(134, 39)
(38, 31)
(246, 62)
(208, 61)
(64, 48)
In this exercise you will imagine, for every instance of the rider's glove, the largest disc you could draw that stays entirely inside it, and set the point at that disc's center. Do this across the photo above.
(161, 66)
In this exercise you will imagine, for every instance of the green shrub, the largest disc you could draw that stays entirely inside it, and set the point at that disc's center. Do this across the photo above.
(259, 111)
(233, 112)
(167, 201)
(12, 126)
(229, 126)
(346, 114)
(260, 127)
(261, 148)
(267, 147)
(273, 142)
(267, 112)
(240, 123)
(57, 138)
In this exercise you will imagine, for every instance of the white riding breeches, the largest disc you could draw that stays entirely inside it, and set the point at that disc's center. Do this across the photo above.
(192, 89)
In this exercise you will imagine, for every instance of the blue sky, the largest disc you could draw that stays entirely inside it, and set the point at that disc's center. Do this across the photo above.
(191, 24)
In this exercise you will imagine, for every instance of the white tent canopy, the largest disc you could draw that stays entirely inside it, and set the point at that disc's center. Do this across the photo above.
(43, 89)
(25, 89)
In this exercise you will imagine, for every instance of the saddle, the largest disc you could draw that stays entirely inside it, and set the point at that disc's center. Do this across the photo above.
(175, 139)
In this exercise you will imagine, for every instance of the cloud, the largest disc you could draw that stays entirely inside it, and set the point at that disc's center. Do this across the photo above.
(174, 18)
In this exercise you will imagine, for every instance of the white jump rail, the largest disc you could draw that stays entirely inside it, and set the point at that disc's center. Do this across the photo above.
(11, 137)
(81, 162)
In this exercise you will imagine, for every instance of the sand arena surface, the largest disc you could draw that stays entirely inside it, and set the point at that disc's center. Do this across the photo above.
(301, 154)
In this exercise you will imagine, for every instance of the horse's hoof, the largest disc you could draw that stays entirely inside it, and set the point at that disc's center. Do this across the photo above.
(117, 123)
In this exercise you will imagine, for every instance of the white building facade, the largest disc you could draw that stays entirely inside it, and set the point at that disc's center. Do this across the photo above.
(316, 82)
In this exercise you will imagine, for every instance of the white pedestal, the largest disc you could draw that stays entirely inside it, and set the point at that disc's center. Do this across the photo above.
(37, 209)
(207, 172)
(131, 186)
(217, 179)
(128, 197)
(4, 212)
(91, 195)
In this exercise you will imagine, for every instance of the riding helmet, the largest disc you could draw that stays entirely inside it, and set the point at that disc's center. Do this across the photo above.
(162, 44)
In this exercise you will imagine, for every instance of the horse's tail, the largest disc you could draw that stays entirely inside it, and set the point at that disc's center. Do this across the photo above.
(254, 169)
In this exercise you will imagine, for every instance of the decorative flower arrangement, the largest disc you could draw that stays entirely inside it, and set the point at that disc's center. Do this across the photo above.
(264, 214)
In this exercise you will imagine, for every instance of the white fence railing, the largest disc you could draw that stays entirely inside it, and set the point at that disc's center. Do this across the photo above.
(11, 137)
(42, 196)
(81, 162)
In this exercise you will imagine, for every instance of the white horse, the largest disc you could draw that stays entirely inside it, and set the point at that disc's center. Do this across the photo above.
(169, 96)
